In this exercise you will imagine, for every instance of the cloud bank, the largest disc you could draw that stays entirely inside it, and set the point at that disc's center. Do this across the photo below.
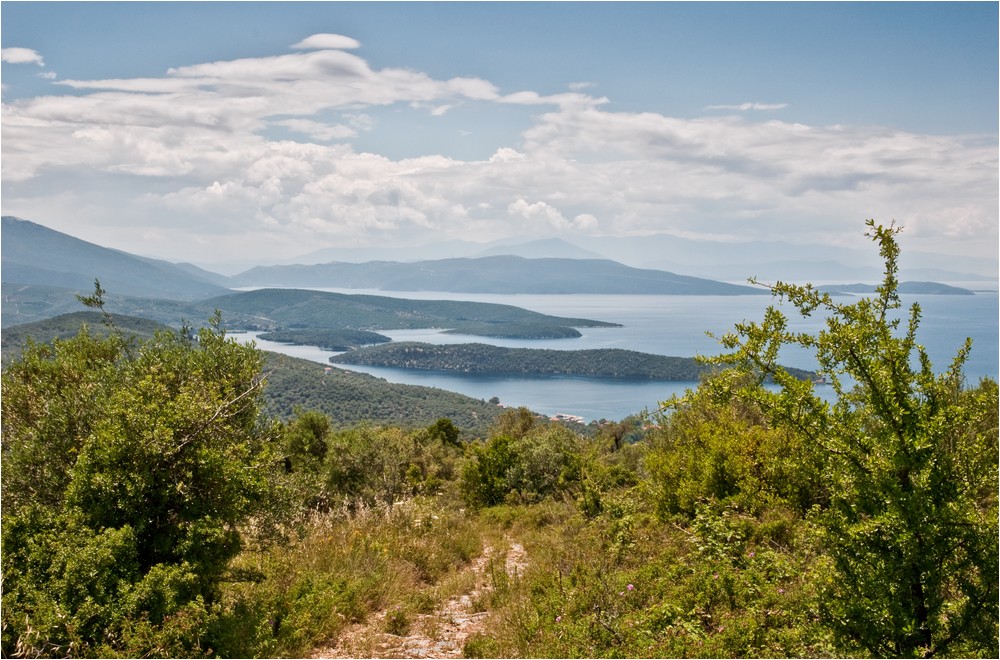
(260, 157)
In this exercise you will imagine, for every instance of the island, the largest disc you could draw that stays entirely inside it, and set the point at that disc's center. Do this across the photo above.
(474, 358)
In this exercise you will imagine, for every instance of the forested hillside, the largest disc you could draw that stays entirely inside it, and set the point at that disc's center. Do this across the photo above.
(348, 398)
(295, 310)
(156, 505)
(487, 359)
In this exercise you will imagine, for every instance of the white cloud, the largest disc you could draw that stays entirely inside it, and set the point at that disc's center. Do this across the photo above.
(570, 99)
(21, 56)
(318, 130)
(749, 106)
(326, 41)
(192, 147)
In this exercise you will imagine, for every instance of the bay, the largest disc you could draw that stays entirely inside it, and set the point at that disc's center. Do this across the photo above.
(663, 325)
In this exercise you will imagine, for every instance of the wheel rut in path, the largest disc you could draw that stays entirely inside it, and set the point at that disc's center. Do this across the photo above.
(440, 634)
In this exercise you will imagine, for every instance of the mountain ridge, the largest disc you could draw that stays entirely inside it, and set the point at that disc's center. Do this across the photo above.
(34, 254)
(502, 274)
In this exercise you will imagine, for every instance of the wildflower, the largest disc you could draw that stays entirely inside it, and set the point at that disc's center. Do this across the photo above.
(621, 593)
(630, 587)
(715, 576)
(752, 554)
(558, 618)
(780, 590)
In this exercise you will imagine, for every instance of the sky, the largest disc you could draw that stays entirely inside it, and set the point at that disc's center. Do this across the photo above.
(214, 132)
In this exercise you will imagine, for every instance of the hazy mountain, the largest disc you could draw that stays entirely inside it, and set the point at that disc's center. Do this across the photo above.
(776, 259)
(206, 275)
(356, 255)
(931, 288)
(502, 274)
(37, 255)
(555, 248)
(719, 260)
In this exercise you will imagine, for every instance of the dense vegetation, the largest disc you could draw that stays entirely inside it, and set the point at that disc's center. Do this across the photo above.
(488, 359)
(150, 510)
(348, 397)
(297, 310)
(67, 326)
(327, 339)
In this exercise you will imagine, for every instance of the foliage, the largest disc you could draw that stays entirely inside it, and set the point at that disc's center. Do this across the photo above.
(349, 398)
(129, 470)
(912, 532)
(713, 448)
(301, 309)
(140, 483)
(326, 339)
(487, 359)
(522, 461)
(67, 326)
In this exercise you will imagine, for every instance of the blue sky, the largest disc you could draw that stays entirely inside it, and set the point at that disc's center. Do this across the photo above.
(205, 131)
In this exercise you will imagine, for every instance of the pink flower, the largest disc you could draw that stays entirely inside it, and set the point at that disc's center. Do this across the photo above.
(630, 587)
(558, 619)
(780, 590)
(752, 554)
(621, 593)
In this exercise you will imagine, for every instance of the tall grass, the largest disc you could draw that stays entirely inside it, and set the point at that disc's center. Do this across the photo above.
(339, 568)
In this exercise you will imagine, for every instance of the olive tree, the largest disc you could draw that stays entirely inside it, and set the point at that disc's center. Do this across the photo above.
(911, 459)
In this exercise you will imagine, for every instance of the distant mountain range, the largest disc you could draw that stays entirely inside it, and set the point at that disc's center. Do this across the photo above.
(719, 260)
(33, 254)
(932, 288)
(50, 262)
(499, 274)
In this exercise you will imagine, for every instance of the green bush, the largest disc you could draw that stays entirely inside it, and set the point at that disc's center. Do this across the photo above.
(128, 471)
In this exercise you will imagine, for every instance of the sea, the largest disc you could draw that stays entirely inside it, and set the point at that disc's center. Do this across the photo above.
(665, 325)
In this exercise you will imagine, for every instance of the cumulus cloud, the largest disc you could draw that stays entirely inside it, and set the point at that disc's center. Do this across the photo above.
(202, 136)
(327, 41)
(21, 56)
(318, 130)
(749, 106)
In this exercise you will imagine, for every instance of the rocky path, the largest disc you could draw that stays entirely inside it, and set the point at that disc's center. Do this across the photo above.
(440, 634)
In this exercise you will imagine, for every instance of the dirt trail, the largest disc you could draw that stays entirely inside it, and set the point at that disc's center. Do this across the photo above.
(440, 634)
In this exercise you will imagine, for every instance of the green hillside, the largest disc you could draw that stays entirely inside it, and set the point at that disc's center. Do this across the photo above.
(68, 325)
(297, 310)
(488, 359)
(350, 398)
(347, 397)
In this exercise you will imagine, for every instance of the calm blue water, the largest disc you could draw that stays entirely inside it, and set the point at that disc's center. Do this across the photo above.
(664, 325)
